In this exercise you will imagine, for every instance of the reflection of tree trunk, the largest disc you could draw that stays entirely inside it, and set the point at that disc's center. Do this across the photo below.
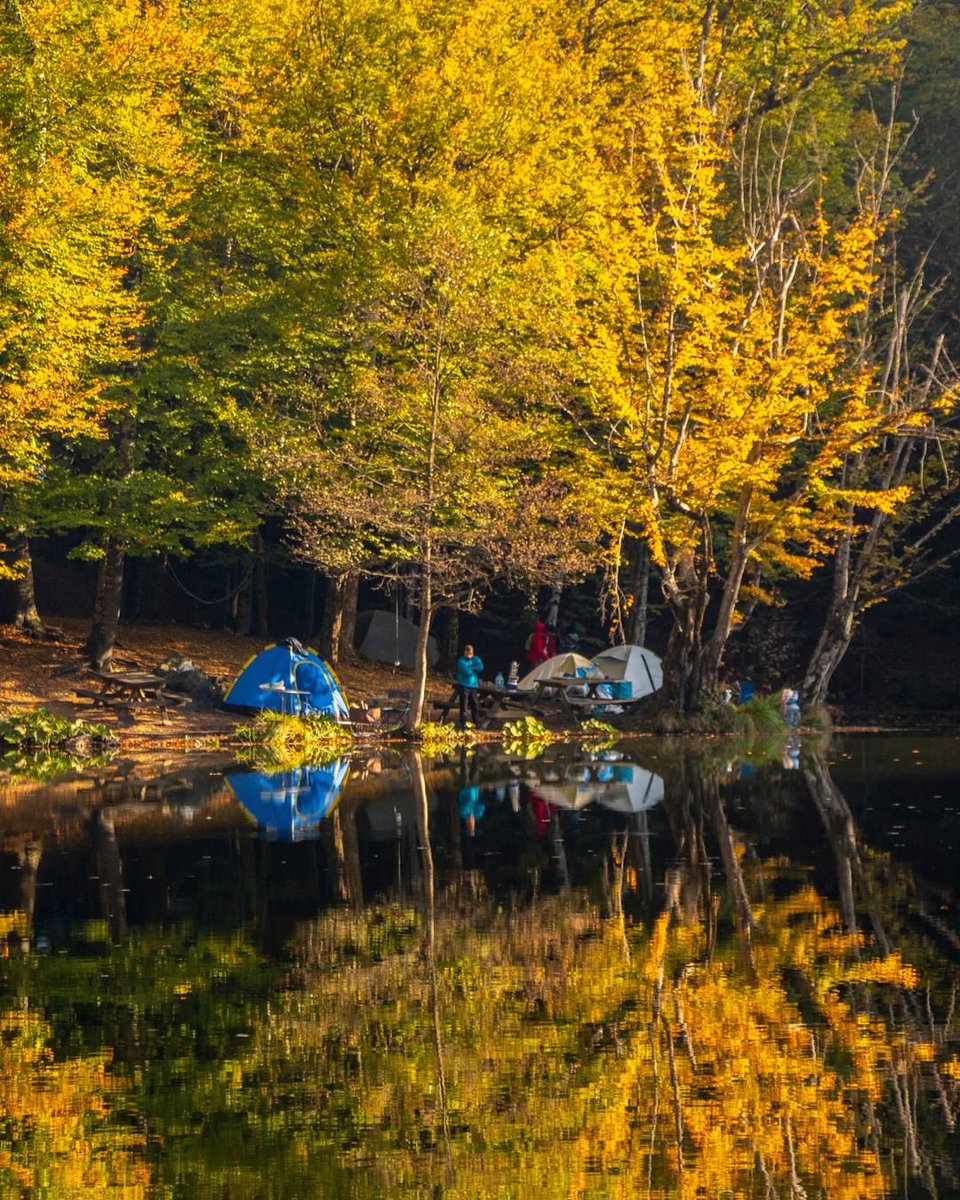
(742, 909)
(853, 880)
(430, 932)
(559, 851)
(841, 830)
(110, 875)
(641, 841)
(28, 858)
(342, 850)
(690, 884)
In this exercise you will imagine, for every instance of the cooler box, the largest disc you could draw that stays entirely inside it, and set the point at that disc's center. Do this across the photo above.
(622, 689)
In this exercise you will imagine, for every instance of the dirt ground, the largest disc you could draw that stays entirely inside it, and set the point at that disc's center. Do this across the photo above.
(47, 671)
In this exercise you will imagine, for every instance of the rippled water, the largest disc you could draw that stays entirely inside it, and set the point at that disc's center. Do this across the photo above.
(648, 971)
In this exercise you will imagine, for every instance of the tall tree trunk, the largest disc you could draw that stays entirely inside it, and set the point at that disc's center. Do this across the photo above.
(262, 607)
(553, 607)
(348, 616)
(447, 634)
(639, 596)
(732, 585)
(331, 623)
(421, 653)
(309, 604)
(243, 606)
(838, 628)
(26, 615)
(685, 590)
(106, 612)
(681, 664)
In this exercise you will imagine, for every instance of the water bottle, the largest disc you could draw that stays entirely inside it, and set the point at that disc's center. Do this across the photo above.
(499, 679)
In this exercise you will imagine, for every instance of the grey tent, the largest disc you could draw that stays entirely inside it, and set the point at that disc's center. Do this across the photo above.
(388, 638)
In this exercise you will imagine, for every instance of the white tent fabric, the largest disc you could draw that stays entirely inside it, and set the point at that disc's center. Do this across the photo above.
(634, 789)
(557, 667)
(635, 663)
(388, 638)
(623, 787)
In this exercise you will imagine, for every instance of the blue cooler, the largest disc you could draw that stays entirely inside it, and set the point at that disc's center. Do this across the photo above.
(622, 689)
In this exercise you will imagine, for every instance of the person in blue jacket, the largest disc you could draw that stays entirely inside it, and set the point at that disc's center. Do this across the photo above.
(469, 669)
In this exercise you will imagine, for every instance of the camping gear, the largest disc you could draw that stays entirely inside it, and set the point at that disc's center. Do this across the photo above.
(288, 678)
(290, 805)
(569, 665)
(633, 664)
(389, 638)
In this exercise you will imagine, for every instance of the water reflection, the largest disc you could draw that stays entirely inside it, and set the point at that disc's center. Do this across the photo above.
(290, 804)
(637, 972)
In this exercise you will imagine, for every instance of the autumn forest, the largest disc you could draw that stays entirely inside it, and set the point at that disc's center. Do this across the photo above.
(507, 295)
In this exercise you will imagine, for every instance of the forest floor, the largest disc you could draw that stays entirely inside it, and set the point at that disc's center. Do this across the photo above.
(47, 671)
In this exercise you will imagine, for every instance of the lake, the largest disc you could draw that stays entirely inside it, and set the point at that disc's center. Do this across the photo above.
(659, 970)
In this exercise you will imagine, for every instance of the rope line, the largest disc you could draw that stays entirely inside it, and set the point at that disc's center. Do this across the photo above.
(200, 600)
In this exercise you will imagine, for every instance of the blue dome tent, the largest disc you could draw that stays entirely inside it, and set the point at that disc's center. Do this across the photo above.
(290, 805)
(288, 678)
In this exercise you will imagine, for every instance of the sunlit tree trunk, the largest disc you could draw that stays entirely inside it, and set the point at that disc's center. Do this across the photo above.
(26, 615)
(106, 613)
(639, 596)
(838, 629)
(328, 637)
(348, 616)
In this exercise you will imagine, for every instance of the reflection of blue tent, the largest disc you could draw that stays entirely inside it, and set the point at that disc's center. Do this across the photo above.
(288, 678)
(290, 804)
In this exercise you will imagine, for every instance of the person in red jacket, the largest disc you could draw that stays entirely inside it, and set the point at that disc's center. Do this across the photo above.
(539, 648)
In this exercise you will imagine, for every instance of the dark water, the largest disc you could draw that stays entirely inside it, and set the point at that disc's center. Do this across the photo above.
(648, 971)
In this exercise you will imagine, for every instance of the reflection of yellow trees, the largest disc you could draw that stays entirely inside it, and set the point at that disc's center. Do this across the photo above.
(572, 1066)
(54, 1140)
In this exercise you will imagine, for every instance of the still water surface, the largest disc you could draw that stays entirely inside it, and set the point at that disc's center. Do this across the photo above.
(635, 972)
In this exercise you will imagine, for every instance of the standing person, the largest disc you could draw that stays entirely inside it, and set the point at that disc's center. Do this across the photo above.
(570, 640)
(537, 650)
(469, 669)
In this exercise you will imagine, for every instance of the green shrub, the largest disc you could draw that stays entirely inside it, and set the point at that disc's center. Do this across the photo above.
(276, 739)
(39, 729)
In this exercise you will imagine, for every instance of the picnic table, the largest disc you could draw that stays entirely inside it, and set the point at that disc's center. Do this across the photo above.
(492, 699)
(131, 690)
(580, 697)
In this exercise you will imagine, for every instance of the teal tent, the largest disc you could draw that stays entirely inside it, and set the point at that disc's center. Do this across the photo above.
(288, 678)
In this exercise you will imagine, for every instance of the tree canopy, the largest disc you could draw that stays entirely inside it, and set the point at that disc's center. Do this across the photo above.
(464, 295)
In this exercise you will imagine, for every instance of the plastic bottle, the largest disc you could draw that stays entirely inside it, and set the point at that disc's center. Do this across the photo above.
(499, 679)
